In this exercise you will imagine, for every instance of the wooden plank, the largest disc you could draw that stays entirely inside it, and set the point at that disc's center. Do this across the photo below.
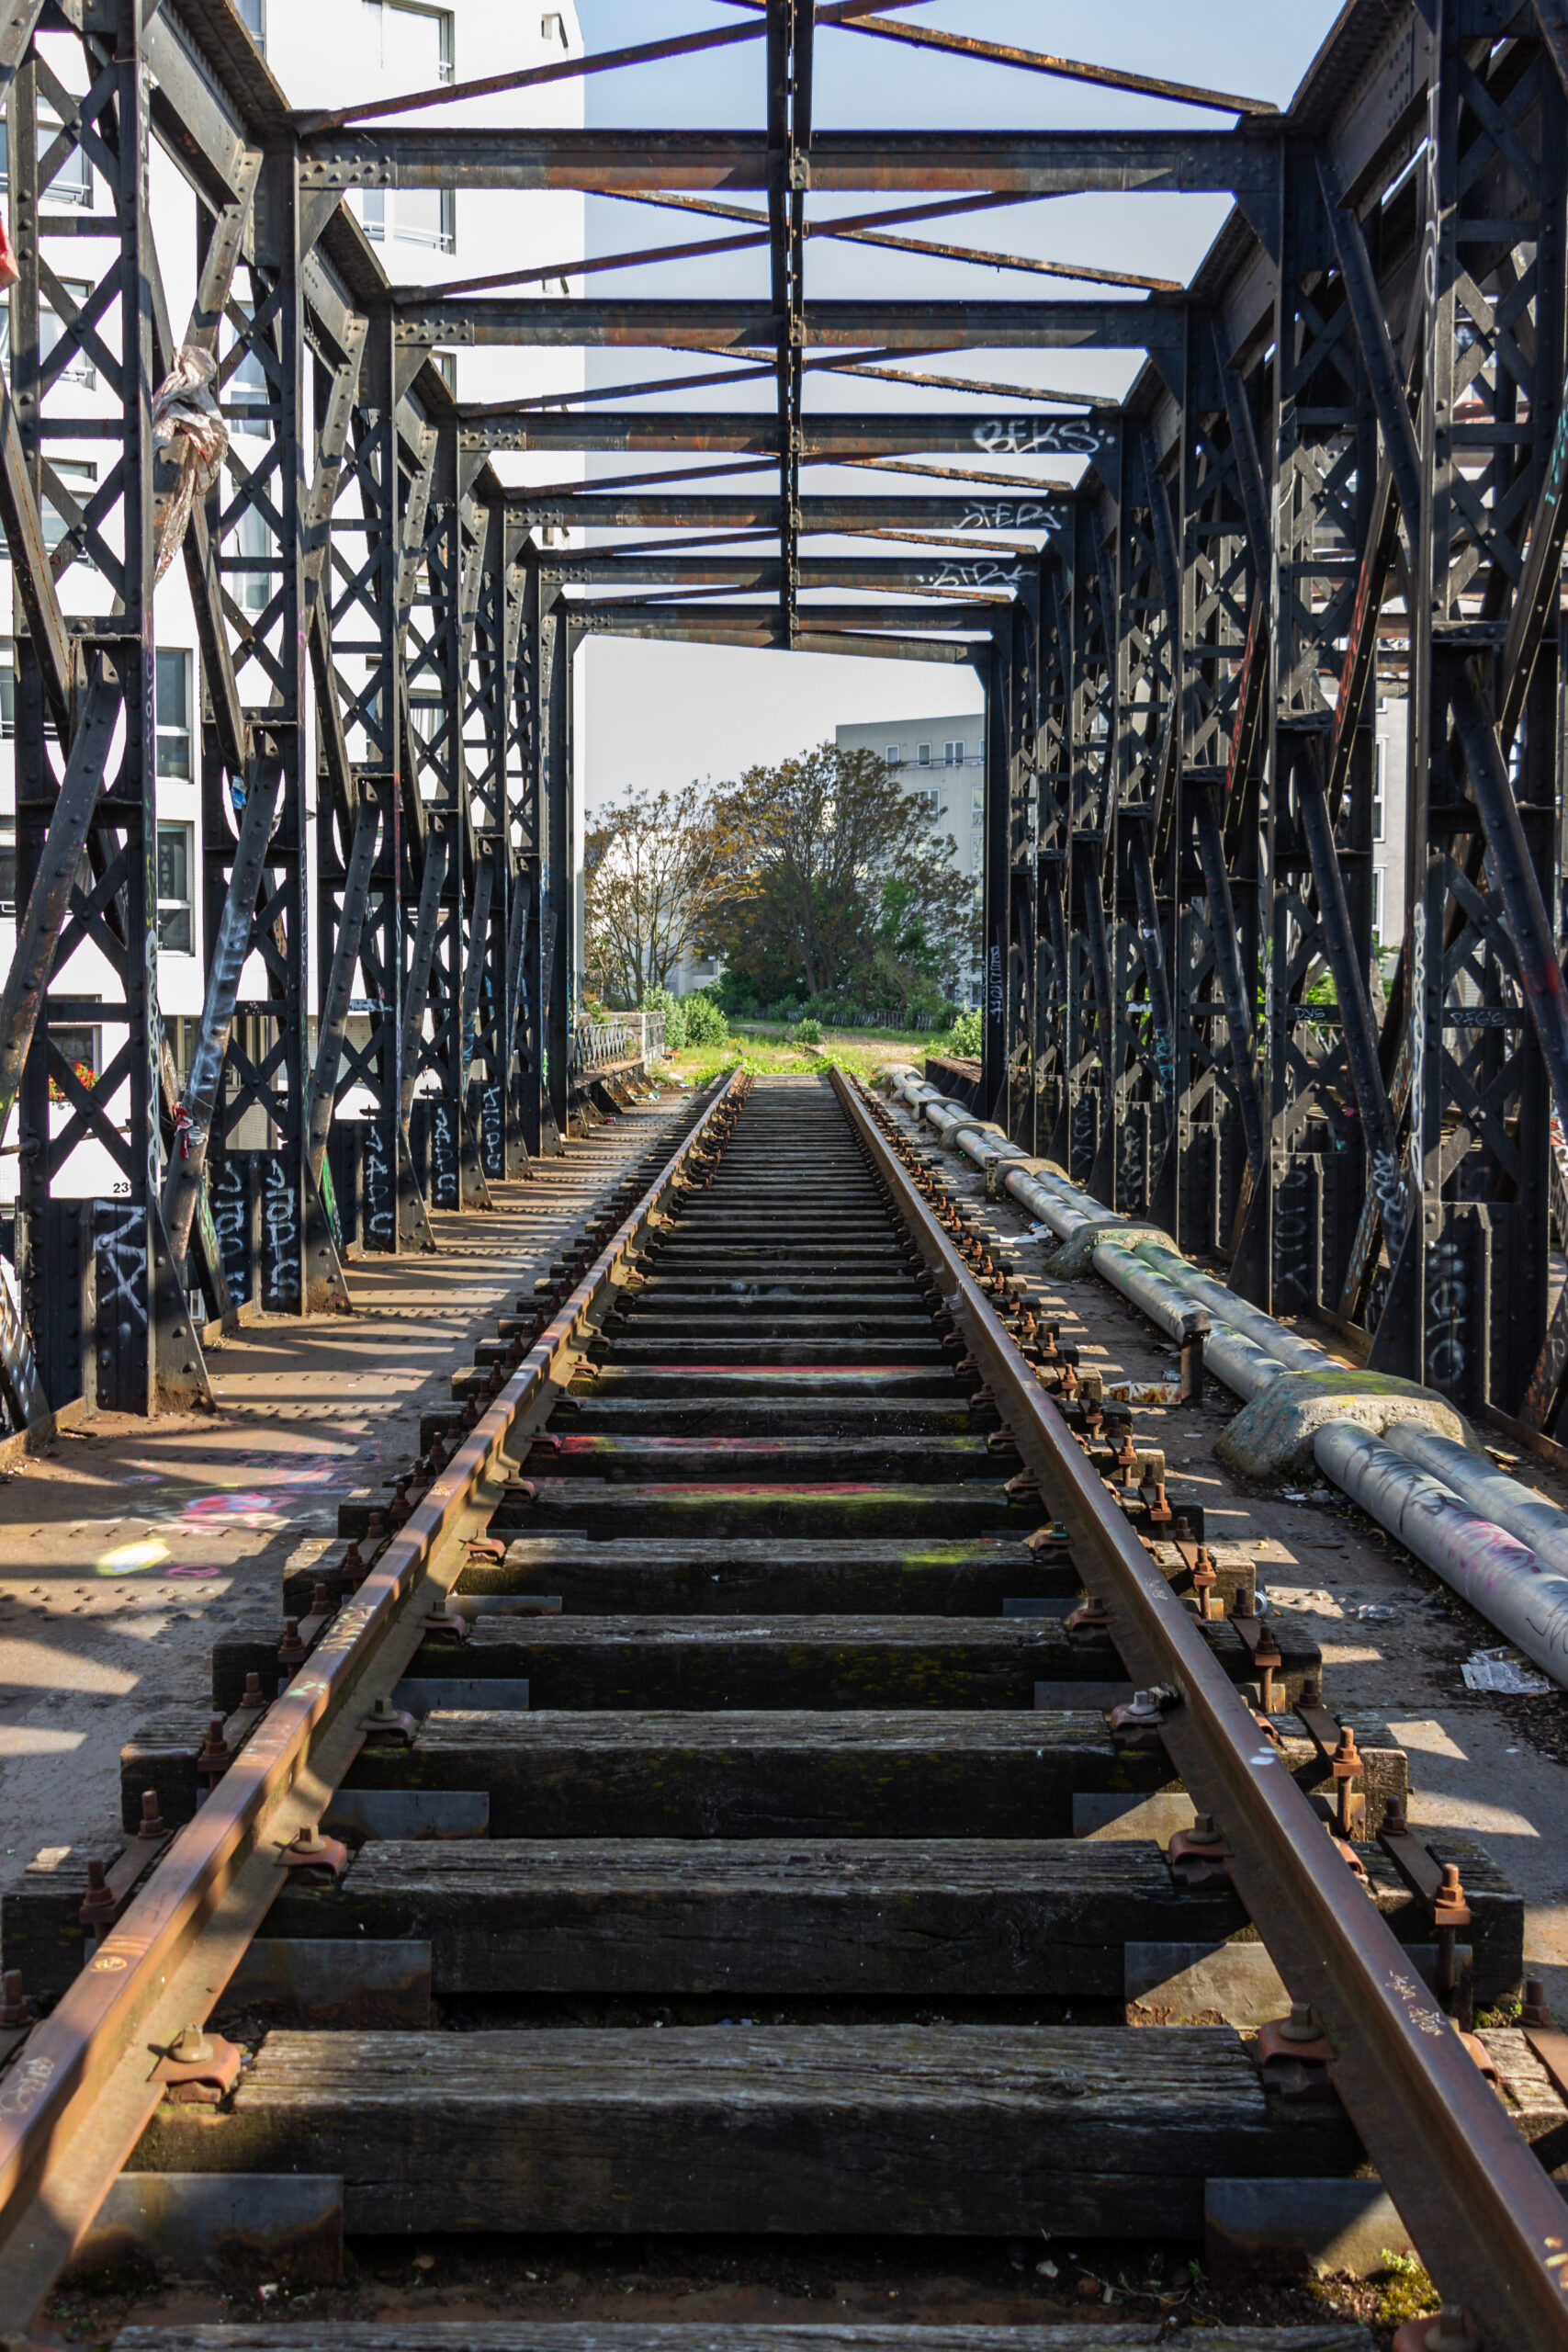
(949, 1918)
(958, 1577)
(759, 1773)
(973, 2131)
(929, 1458)
(970, 1506)
(635, 1348)
(702, 1662)
(698, 1415)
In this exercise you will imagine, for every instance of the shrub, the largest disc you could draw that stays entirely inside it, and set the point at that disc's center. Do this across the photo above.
(968, 1033)
(660, 1000)
(809, 1032)
(706, 1023)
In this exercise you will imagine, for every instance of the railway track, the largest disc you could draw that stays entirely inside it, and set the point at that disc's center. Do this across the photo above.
(751, 1658)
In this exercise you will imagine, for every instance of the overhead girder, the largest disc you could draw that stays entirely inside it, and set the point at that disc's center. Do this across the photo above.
(1039, 163)
(1151, 324)
(649, 511)
(822, 437)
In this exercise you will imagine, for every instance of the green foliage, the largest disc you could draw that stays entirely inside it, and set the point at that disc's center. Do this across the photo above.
(1404, 2289)
(839, 892)
(967, 1034)
(664, 1001)
(651, 862)
(705, 1019)
(809, 1032)
(735, 996)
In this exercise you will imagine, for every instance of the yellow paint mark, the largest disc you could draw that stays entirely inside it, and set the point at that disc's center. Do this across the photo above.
(126, 1558)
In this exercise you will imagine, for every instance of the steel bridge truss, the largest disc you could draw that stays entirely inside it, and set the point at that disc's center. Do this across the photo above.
(1339, 471)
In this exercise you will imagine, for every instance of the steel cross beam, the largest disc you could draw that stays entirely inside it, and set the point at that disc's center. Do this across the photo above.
(1024, 163)
(575, 322)
(813, 517)
(755, 433)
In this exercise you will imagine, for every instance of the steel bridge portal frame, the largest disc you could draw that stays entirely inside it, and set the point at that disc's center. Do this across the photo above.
(1341, 461)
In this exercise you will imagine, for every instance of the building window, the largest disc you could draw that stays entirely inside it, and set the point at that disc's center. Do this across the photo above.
(553, 28)
(8, 865)
(7, 689)
(413, 46)
(72, 180)
(1377, 902)
(893, 755)
(78, 478)
(977, 807)
(173, 698)
(928, 802)
(446, 366)
(413, 215)
(51, 330)
(253, 16)
(923, 755)
(246, 395)
(257, 555)
(952, 755)
(1380, 800)
(176, 931)
(80, 1047)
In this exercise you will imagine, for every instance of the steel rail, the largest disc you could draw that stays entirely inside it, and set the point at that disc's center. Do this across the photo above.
(80, 2092)
(1487, 2219)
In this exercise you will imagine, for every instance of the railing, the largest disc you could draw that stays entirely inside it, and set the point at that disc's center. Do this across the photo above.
(596, 1042)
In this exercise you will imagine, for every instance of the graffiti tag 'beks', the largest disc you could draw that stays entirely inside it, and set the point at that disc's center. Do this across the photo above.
(1057, 436)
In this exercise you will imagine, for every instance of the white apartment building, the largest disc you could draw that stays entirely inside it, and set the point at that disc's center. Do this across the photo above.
(326, 53)
(1390, 785)
(941, 761)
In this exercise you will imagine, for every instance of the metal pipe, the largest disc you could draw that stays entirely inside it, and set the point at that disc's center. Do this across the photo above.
(1503, 1548)
(1511, 1586)
(1477, 1481)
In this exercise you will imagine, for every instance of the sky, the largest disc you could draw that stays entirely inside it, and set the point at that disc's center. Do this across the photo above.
(659, 714)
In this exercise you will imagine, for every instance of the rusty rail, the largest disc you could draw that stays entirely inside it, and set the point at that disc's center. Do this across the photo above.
(79, 2094)
(1489, 2220)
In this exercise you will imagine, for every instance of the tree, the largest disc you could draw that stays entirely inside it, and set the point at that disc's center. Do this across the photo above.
(839, 883)
(651, 862)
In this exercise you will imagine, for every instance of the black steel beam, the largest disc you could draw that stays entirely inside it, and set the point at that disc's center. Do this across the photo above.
(1029, 163)
(776, 637)
(756, 432)
(564, 322)
(600, 568)
(693, 511)
(965, 619)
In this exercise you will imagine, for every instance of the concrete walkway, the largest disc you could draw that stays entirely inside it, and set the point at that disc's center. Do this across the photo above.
(126, 1551)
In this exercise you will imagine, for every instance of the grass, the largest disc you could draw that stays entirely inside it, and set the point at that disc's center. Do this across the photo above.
(765, 1051)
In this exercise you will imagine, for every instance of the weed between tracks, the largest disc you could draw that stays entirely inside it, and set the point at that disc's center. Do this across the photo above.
(769, 1054)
